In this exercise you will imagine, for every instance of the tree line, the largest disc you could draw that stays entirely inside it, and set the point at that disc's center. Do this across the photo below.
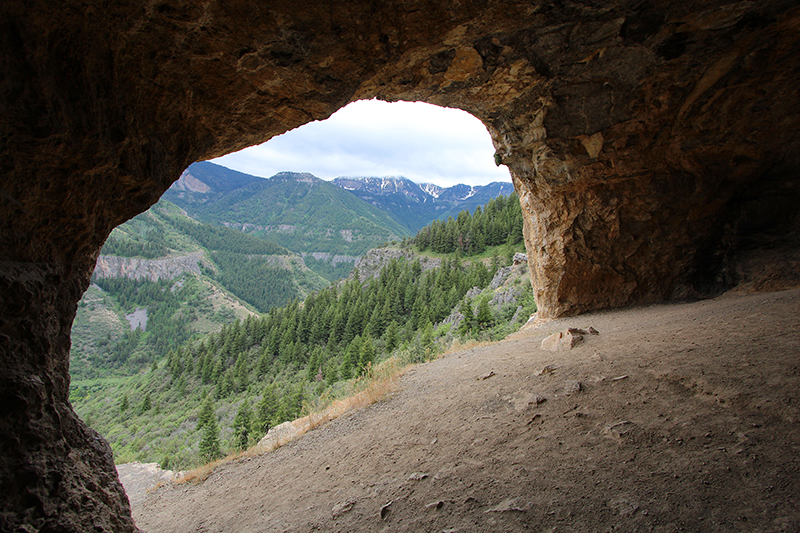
(499, 222)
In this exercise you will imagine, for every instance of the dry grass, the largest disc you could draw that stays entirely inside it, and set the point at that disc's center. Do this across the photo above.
(200, 473)
(376, 384)
(459, 346)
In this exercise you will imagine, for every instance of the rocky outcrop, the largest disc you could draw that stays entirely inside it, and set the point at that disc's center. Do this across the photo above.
(651, 143)
(109, 266)
(370, 264)
(333, 259)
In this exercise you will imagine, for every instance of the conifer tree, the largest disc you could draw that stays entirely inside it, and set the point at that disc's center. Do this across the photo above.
(469, 317)
(206, 413)
(426, 338)
(484, 316)
(391, 336)
(209, 445)
(267, 410)
(147, 404)
(346, 370)
(241, 426)
(366, 354)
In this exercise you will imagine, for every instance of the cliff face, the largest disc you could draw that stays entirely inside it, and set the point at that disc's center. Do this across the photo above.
(109, 266)
(651, 143)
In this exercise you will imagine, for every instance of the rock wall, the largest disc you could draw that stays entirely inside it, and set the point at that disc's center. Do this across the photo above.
(110, 266)
(652, 143)
(370, 264)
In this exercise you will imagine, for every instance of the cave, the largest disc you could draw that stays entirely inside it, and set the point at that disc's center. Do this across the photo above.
(655, 147)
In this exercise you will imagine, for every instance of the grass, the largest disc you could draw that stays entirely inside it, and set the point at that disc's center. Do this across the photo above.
(501, 251)
(459, 345)
(375, 385)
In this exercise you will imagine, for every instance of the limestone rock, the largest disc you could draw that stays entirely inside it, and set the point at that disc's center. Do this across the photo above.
(139, 478)
(281, 434)
(563, 340)
(109, 266)
(370, 264)
(567, 339)
(343, 507)
(500, 277)
(572, 386)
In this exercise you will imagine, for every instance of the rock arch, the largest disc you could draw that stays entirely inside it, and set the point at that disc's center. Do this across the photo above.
(654, 145)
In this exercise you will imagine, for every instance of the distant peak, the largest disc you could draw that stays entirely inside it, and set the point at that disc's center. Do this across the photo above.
(305, 177)
(187, 182)
(432, 189)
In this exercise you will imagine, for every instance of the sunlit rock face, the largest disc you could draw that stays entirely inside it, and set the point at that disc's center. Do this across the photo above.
(654, 146)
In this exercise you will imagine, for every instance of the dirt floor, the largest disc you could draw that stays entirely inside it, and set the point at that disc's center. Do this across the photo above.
(679, 417)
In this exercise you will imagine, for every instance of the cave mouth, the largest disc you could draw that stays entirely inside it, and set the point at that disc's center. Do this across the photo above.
(635, 133)
(398, 138)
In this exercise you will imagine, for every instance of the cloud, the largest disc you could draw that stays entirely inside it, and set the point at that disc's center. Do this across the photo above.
(422, 142)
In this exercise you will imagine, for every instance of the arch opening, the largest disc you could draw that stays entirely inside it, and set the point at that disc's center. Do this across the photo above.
(171, 269)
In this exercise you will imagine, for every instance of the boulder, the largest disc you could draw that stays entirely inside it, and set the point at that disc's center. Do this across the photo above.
(567, 339)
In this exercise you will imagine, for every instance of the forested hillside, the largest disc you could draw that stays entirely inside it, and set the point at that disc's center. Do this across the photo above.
(225, 390)
(499, 222)
(130, 318)
(296, 210)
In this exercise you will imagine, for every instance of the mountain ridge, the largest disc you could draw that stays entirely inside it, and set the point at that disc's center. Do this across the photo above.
(417, 204)
(294, 209)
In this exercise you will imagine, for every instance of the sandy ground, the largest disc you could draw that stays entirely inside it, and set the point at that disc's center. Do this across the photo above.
(139, 478)
(687, 419)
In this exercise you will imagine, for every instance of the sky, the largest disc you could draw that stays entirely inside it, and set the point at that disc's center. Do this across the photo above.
(423, 142)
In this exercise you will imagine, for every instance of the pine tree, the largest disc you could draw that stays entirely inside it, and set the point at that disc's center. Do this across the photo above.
(426, 337)
(346, 370)
(241, 426)
(484, 316)
(391, 336)
(209, 445)
(206, 413)
(469, 317)
(267, 410)
(147, 404)
(366, 354)
(123, 404)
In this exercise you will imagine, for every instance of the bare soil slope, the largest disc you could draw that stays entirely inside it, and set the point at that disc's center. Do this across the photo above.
(687, 419)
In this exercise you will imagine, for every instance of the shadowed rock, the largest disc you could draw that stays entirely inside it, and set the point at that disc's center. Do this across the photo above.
(654, 147)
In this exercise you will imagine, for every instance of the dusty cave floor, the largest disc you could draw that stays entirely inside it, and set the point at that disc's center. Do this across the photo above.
(687, 420)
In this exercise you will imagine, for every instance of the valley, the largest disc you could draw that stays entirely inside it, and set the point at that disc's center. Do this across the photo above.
(185, 315)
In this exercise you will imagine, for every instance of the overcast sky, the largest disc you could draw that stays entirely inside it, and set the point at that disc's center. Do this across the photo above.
(423, 142)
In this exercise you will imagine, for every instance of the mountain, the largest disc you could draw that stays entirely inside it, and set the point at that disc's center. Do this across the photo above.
(162, 278)
(415, 205)
(296, 210)
(210, 180)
